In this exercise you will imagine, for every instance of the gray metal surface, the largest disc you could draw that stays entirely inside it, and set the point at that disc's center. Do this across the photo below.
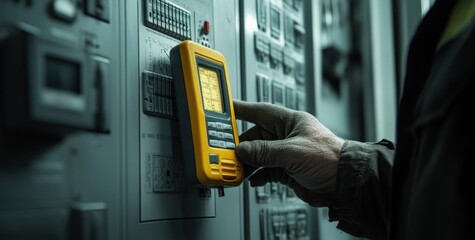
(43, 178)
(274, 69)
(88, 184)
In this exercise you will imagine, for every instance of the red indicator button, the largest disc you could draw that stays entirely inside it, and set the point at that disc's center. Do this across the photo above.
(206, 27)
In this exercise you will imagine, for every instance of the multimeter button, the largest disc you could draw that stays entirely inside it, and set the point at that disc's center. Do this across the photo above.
(230, 145)
(212, 124)
(214, 143)
(227, 126)
(212, 133)
(228, 136)
(220, 135)
(222, 144)
(213, 159)
(219, 125)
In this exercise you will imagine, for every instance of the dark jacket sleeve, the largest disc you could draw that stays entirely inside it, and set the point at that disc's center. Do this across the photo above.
(361, 202)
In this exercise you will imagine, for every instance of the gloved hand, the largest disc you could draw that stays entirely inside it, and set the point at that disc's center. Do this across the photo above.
(290, 147)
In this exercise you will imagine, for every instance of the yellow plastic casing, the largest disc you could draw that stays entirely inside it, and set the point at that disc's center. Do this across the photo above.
(228, 171)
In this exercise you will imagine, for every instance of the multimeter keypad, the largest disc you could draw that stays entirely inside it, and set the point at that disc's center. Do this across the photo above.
(220, 135)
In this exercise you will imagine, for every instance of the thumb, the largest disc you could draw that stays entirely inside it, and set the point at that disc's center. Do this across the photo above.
(262, 153)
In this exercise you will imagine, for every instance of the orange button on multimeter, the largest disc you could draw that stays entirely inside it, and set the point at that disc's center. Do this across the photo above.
(205, 111)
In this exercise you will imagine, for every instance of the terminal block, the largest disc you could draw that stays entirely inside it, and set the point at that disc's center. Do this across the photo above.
(168, 18)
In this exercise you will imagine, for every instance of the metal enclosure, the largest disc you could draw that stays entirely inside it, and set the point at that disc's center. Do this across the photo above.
(89, 136)
(89, 139)
(274, 70)
(158, 204)
(60, 173)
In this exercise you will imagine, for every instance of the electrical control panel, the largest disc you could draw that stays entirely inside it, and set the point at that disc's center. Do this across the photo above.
(281, 215)
(162, 202)
(274, 66)
(68, 87)
(90, 144)
(274, 52)
(165, 24)
(60, 114)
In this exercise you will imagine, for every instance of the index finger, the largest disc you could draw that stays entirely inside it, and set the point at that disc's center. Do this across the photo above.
(260, 113)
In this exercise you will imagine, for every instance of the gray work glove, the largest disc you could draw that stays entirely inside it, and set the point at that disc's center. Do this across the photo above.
(290, 147)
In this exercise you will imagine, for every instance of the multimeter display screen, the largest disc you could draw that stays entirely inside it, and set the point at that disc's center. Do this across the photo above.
(211, 89)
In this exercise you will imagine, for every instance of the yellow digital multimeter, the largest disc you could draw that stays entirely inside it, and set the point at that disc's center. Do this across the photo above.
(205, 110)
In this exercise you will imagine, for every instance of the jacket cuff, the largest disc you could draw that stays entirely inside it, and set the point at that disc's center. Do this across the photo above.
(358, 163)
(350, 170)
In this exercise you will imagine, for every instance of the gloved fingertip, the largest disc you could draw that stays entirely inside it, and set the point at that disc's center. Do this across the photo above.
(242, 150)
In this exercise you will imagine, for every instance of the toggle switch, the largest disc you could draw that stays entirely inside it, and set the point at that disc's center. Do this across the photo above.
(206, 27)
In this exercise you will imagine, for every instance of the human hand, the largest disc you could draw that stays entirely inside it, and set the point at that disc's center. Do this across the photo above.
(290, 147)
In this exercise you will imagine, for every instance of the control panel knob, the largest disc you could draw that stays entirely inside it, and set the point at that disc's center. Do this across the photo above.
(63, 10)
